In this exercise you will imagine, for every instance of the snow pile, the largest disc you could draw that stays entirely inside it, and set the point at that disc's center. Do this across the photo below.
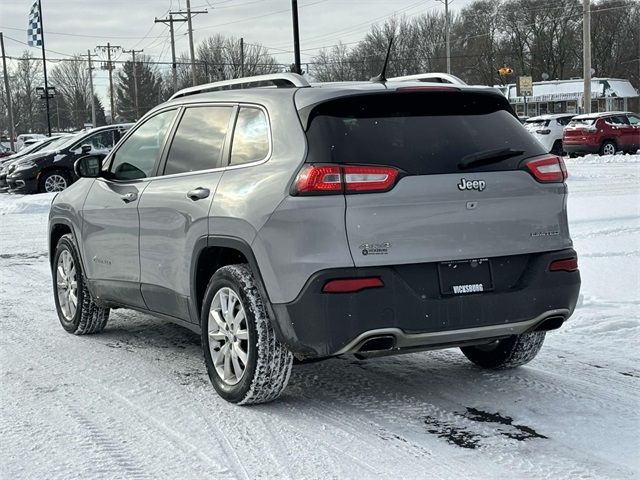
(595, 159)
(13, 204)
(103, 406)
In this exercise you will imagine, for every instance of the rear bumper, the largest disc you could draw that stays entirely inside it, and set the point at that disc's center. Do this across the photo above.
(412, 314)
(580, 148)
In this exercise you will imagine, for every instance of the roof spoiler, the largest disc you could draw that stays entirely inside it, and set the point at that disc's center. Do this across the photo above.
(280, 80)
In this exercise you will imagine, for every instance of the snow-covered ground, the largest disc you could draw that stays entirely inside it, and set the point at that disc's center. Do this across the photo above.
(135, 401)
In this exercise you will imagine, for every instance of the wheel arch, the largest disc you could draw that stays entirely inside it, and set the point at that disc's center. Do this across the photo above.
(57, 228)
(213, 252)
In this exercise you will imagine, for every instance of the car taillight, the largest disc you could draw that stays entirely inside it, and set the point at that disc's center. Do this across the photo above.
(548, 169)
(351, 285)
(564, 265)
(327, 179)
(545, 131)
(314, 179)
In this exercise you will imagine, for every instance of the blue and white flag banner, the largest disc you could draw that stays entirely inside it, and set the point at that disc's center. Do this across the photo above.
(34, 32)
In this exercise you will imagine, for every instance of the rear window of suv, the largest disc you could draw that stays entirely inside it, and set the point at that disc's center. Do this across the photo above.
(417, 132)
(582, 122)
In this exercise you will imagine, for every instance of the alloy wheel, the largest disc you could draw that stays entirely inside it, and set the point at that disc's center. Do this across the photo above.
(55, 183)
(609, 149)
(67, 285)
(228, 336)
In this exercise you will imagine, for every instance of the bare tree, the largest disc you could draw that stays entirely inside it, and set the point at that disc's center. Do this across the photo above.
(71, 79)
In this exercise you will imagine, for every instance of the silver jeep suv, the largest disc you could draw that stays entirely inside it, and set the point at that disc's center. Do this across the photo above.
(285, 220)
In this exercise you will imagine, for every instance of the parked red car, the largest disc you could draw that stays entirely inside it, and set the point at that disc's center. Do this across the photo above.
(605, 133)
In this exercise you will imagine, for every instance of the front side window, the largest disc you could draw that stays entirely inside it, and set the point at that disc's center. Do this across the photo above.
(633, 120)
(199, 140)
(250, 137)
(137, 156)
(99, 141)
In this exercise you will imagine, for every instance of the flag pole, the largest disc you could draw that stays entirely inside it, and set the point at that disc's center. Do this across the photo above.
(44, 66)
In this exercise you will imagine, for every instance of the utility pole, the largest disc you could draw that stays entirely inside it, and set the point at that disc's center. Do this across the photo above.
(93, 97)
(296, 36)
(586, 55)
(170, 21)
(108, 47)
(12, 130)
(189, 14)
(241, 57)
(447, 33)
(135, 79)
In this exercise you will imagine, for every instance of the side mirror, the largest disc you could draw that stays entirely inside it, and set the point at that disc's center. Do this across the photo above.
(88, 167)
(86, 148)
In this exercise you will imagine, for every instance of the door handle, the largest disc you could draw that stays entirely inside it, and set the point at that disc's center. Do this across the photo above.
(198, 193)
(129, 197)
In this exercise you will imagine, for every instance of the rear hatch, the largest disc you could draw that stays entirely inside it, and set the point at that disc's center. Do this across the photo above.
(579, 127)
(456, 187)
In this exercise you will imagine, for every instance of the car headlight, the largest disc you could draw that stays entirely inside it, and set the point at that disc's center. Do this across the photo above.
(23, 166)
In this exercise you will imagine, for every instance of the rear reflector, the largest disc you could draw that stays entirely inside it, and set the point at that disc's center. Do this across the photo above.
(351, 285)
(548, 169)
(327, 179)
(544, 131)
(564, 265)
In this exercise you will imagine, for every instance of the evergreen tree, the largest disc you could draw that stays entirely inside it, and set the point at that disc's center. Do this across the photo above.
(149, 89)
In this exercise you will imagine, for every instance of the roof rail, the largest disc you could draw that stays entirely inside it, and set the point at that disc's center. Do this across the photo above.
(277, 79)
(430, 77)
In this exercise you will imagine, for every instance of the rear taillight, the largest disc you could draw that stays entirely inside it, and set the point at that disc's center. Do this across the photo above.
(351, 285)
(545, 131)
(548, 169)
(564, 265)
(315, 179)
(327, 179)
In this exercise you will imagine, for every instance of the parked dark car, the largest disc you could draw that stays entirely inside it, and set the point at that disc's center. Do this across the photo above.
(52, 170)
(605, 133)
(50, 143)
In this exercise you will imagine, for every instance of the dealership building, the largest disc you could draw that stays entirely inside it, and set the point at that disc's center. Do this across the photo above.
(565, 96)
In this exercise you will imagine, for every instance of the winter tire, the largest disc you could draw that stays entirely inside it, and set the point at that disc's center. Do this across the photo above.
(77, 311)
(54, 181)
(509, 352)
(244, 360)
(608, 147)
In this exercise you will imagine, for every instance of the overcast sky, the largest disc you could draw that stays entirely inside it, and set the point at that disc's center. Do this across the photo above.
(73, 26)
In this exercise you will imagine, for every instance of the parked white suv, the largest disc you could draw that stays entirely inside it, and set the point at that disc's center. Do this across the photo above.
(548, 130)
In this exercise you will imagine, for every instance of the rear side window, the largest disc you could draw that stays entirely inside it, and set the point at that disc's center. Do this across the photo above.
(617, 121)
(250, 137)
(199, 140)
(417, 132)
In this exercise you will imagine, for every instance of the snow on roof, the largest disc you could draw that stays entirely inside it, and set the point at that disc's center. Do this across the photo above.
(556, 90)
(550, 116)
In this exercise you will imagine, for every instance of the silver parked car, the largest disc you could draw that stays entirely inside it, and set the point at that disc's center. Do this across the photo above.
(311, 221)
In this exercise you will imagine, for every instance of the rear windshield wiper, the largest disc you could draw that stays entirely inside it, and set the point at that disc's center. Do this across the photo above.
(488, 157)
